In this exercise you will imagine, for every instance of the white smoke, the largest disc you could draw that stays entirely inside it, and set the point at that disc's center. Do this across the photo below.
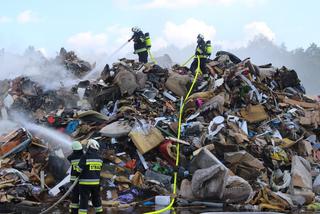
(7, 126)
(47, 134)
(47, 72)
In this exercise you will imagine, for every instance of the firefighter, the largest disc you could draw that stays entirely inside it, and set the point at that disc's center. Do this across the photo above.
(74, 159)
(89, 180)
(201, 52)
(139, 45)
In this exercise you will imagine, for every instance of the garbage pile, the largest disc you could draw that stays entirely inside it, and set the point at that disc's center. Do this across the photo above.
(249, 135)
(28, 168)
(72, 63)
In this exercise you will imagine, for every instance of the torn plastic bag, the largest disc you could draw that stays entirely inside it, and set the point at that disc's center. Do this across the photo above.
(116, 129)
(211, 180)
(301, 182)
(216, 102)
(215, 183)
(21, 175)
(177, 83)
(237, 190)
(72, 126)
(163, 179)
(128, 196)
(280, 180)
(217, 123)
(244, 164)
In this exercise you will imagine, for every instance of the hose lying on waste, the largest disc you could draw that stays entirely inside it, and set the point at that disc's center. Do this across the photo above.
(151, 56)
(198, 71)
(62, 198)
(188, 61)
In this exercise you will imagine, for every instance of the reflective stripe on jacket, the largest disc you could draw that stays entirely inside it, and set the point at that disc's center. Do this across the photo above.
(74, 159)
(90, 166)
(140, 50)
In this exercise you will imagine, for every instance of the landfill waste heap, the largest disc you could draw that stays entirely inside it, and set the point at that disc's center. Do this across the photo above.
(249, 136)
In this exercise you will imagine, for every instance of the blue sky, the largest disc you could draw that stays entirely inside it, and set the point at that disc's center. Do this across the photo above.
(99, 26)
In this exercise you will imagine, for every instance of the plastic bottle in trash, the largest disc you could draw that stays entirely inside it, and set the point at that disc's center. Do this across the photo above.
(162, 200)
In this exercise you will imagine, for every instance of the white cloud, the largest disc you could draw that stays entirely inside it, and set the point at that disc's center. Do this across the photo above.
(182, 4)
(87, 41)
(88, 45)
(251, 31)
(254, 29)
(121, 3)
(158, 43)
(186, 33)
(177, 4)
(105, 42)
(121, 34)
(5, 19)
(229, 44)
(27, 16)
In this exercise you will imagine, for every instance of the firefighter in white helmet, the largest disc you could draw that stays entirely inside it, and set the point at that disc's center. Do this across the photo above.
(89, 180)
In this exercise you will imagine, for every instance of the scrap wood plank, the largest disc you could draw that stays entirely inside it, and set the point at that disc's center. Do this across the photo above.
(299, 103)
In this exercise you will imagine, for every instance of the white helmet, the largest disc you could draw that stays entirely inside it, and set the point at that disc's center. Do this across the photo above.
(76, 146)
(135, 29)
(93, 144)
(200, 36)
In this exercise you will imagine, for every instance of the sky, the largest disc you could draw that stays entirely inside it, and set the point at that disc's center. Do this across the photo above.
(101, 26)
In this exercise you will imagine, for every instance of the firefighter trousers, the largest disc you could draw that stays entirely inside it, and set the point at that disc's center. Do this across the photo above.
(143, 56)
(194, 65)
(74, 205)
(85, 192)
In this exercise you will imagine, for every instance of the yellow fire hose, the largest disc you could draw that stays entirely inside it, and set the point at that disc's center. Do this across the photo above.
(151, 56)
(198, 71)
(189, 60)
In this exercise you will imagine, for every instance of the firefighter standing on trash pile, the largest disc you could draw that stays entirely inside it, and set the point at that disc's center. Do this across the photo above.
(89, 180)
(141, 44)
(74, 159)
(203, 50)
